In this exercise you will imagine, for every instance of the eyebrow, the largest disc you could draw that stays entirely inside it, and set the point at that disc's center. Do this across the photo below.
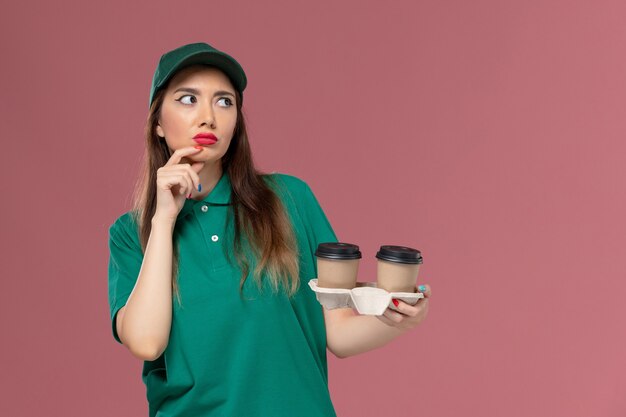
(197, 92)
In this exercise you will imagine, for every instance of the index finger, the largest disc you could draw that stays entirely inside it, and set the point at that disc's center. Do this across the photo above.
(181, 153)
(407, 309)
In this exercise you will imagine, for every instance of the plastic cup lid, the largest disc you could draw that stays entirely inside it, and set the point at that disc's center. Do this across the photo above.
(400, 254)
(338, 250)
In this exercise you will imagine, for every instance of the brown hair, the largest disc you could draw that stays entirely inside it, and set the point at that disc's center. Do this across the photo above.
(262, 226)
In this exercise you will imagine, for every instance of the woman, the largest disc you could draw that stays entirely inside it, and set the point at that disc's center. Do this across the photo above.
(208, 271)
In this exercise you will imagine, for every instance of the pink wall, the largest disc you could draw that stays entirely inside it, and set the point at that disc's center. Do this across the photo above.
(489, 134)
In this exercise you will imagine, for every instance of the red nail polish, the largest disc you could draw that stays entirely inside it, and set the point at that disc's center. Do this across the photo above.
(395, 302)
(189, 196)
(198, 147)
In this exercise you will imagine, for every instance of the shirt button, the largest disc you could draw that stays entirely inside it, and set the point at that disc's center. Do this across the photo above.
(204, 208)
(214, 238)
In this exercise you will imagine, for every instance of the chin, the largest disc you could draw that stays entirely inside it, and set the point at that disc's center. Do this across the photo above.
(205, 156)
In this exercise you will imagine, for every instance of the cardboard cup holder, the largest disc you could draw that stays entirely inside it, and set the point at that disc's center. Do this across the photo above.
(365, 298)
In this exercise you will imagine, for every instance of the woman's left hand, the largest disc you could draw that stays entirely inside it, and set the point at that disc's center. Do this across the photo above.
(409, 316)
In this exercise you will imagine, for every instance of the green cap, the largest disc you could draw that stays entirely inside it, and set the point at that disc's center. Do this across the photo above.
(197, 53)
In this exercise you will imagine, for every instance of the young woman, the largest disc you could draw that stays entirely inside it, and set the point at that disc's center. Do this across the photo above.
(208, 271)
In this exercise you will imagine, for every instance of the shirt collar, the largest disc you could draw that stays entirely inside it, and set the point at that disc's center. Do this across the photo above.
(219, 195)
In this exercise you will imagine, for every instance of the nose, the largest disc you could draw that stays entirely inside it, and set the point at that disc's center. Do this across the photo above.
(207, 115)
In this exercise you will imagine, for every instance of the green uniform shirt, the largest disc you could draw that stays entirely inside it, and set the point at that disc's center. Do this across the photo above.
(260, 355)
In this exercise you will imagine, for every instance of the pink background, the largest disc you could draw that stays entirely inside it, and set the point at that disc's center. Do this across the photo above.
(489, 134)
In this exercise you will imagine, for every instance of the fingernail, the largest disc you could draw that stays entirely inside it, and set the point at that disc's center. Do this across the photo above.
(198, 147)
(189, 196)
(199, 187)
(395, 302)
(422, 288)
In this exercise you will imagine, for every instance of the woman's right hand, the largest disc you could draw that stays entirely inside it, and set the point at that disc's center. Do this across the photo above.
(175, 181)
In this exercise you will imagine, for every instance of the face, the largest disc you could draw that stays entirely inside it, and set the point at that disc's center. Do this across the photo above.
(197, 100)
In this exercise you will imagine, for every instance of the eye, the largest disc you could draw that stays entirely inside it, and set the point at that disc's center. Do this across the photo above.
(182, 99)
(230, 102)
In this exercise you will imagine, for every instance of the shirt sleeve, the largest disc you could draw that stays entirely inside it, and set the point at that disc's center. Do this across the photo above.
(125, 259)
(318, 226)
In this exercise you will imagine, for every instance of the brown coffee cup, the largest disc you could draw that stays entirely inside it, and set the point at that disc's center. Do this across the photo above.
(397, 268)
(337, 265)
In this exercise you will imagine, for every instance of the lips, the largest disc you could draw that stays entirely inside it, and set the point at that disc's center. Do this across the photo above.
(203, 141)
(205, 138)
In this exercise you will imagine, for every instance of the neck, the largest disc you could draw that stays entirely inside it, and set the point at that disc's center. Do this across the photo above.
(209, 175)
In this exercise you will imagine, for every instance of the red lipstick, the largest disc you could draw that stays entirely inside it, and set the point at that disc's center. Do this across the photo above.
(205, 138)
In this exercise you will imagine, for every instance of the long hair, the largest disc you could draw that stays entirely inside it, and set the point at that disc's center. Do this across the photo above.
(261, 224)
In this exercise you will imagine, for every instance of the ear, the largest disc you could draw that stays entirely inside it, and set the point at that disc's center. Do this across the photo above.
(159, 131)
